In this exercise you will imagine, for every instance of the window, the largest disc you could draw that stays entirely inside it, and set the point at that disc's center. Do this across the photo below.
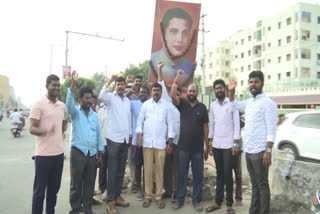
(296, 17)
(241, 69)
(318, 59)
(318, 75)
(296, 53)
(217, 62)
(305, 53)
(269, 60)
(242, 41)
(288, 57)
(279, 76)
(269, 44)
(279, 59)
(210, 65)
(249, 38)
(210, 76)
(305, 72)
(318, 19)
(279, 25)
(217, 50)
(305, 35)
(288, 21)
(227, 75)
(227, 51)
(295, 72)
(217, 74)
(288, 74)
(308, 121)
(236, 56)
(249, 53)
(227, 63)
(236, 43)
(210, 54)
(242, 55)
(269, 28)
(305, 17)
(249, 67)
(269, 77)
(288, 39)
(279, 42)
(318, 38)
(241, 82)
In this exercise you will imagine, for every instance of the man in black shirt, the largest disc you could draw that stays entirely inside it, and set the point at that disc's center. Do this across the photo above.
(193, 131)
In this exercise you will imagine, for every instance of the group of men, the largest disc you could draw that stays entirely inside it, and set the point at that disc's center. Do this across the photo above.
(163, 134)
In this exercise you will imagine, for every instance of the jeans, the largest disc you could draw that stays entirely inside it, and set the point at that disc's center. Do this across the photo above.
(237, 168)
(48, 173)
(223, 160)
(196, 159)
(260, 198)
(117, 157)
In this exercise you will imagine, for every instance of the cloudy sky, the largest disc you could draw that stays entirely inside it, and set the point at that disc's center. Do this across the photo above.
(32, 39)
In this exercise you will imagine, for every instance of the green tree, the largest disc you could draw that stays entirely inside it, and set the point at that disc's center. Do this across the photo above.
(142, 69)
(197, 80)
(99, 80)
(80, 83)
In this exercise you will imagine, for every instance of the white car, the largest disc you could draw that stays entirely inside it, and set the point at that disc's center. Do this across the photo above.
(299, 135)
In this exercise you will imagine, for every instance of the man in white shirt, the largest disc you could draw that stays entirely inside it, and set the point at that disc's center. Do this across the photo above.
(119, 136)
(155, 123)
(259, 136)
(15, 117)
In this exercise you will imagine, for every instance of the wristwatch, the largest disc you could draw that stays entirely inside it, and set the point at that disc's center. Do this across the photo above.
(269, 150)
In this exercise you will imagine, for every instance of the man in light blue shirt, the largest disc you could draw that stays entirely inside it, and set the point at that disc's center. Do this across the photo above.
(86, 146)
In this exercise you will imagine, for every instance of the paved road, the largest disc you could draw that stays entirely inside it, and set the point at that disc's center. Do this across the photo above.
(17, 173)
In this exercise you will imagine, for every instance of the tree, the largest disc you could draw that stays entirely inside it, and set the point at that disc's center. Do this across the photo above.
(99, 80)
(142, 69)
(80, 83)
(197, 81)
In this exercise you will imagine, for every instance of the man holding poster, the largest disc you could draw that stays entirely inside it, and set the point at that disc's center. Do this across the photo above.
(175, 41)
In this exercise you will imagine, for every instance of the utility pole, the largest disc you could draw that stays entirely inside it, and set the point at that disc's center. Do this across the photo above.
(203, 56)
(86, 34)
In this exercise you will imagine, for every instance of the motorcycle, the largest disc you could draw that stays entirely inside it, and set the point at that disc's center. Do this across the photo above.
(16, 129)
(315, 208)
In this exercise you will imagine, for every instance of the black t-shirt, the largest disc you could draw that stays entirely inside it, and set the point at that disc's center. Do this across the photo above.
(191, 126)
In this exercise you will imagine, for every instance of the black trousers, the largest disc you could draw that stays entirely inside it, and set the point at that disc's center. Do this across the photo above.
(223, 160)
(83, 169)
(171, 168)
(260, 198)
(238, 174)
(48, 172)
(117, 157)
(103, 171)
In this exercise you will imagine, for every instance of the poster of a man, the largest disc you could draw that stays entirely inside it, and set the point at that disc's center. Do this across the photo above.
(175, 40)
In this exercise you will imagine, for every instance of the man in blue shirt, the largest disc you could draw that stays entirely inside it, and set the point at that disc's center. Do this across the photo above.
(137, 155)
(86, 146)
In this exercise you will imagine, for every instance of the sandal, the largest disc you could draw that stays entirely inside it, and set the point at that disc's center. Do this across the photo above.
(176, 205)
(213, 207)
(230, 210)
(146, 203)
(160, 204)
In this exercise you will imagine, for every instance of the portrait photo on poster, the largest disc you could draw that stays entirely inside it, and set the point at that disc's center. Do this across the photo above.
(175, 37)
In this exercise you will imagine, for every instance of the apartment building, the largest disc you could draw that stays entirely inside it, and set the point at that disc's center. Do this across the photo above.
(286, 47)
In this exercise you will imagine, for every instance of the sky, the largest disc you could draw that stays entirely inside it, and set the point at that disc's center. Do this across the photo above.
(33, 37)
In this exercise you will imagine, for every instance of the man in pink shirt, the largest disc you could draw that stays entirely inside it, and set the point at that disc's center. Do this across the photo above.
(48, 121)
(224, 133)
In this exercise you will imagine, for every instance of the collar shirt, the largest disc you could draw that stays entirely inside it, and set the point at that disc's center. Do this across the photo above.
(103, 115)
(155, 122)
(119, 116)
(261, 122)
(135, 110)
(86, 131)
(224, 124)
(15, 117)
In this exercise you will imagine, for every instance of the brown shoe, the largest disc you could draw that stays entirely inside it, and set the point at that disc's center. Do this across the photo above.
(121, 202)
(111, 208)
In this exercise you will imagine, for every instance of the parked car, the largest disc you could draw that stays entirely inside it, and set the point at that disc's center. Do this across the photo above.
(299, 135)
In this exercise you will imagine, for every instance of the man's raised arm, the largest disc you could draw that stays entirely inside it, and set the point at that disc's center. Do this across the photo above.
(175, 98)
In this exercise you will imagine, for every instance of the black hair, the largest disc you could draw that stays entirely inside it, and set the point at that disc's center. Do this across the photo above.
(145, 88)
(15, 109)
(94, 96)
(218, 82)
(138, 77)
(120, 79)
(257, 74)
(52, 77)
(176, 13)
(156, 85)
(84, 90)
